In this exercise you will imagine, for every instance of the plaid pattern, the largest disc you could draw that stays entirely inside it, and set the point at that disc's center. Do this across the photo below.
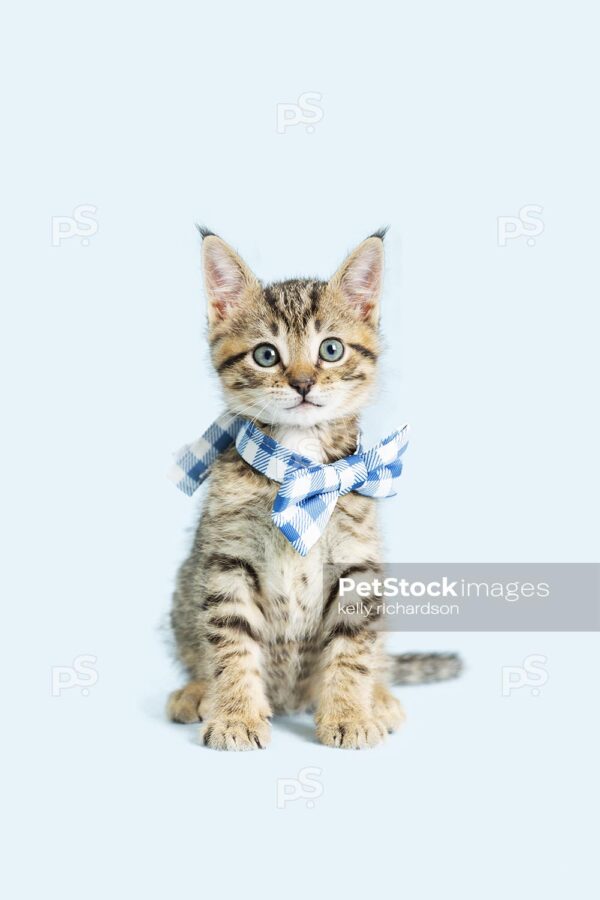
(192, 463)
(309, 490)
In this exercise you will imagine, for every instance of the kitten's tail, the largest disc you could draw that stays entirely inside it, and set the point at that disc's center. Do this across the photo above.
(420, 668)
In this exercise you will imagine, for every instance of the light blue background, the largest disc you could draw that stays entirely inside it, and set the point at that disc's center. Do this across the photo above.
(437, 118)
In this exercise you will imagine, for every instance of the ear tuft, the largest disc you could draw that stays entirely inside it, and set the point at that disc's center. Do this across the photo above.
(360, 277)
(381, 232)
(226, 277)
(204, 231)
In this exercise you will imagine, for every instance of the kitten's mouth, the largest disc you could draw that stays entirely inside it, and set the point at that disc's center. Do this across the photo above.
(304, 402)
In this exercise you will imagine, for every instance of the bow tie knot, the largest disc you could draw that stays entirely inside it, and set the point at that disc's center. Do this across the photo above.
(338, 477)
(352, 473)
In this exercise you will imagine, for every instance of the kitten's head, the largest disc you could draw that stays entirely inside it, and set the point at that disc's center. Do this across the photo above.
(294, 352)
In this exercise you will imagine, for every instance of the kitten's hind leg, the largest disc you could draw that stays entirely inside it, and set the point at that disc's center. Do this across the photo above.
(185, 704)
(387, 709)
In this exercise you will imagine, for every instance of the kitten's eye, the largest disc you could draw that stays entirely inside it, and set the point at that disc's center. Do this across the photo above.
(331, 350)
(266, 355)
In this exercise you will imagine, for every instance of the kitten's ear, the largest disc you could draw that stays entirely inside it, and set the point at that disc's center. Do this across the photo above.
(359, 278)
(227, 278)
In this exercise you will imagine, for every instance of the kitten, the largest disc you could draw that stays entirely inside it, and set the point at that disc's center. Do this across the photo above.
(253, 626)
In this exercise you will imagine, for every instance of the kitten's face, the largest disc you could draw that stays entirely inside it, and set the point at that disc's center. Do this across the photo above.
(299, 352)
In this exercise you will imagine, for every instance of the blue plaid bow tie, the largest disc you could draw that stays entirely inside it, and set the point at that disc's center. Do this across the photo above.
(309, 490)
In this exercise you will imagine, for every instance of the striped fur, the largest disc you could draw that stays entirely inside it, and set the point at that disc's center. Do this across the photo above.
(256, 627)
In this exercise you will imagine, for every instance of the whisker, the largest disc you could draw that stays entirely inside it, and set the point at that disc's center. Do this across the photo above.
(239, 412)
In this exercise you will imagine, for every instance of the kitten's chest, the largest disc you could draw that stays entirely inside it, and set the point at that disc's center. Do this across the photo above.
(293, 588)
(296, 587)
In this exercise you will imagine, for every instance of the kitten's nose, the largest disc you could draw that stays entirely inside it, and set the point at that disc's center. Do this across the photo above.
(302, 385)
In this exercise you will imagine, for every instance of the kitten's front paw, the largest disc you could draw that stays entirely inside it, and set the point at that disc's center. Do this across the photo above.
(351, 733)
(237, 734)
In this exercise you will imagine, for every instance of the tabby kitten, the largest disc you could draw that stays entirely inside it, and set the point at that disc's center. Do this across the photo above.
(253, 626)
